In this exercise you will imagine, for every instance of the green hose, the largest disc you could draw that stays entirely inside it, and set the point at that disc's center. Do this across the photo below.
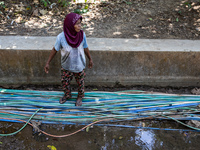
(182, 123)
(23, 126)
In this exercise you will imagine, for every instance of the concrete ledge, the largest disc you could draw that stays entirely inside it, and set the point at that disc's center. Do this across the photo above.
(117, 61)
(102, 44)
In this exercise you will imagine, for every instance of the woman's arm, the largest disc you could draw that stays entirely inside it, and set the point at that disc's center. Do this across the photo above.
(87, 52)
(51, 56)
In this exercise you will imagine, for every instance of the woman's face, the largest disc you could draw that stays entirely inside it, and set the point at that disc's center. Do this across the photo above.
(77, 26)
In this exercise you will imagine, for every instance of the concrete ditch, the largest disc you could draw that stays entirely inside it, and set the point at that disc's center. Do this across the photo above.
(127, 62)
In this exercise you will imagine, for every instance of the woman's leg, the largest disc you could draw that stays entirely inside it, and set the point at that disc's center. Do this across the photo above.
(80, 79)
(66, 77)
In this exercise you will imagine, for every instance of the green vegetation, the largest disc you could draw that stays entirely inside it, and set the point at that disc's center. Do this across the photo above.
(188, 4)
(45, 2)
(2, 4)
(64, 3)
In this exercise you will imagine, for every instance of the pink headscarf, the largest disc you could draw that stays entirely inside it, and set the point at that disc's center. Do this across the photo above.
(73, 38)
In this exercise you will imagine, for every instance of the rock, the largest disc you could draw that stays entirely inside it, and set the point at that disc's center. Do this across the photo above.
(145, 11)
(43, 12)
(19, 19)
(35, 13)
(36, 1)
(195, 91)
(194, 123)
(198, 28)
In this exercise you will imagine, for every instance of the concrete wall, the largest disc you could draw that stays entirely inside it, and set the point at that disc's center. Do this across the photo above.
(116, 61)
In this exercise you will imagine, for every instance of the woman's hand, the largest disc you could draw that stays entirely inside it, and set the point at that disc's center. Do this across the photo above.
(46, 68)
(90, 64)
(87, 52)
(51, 56)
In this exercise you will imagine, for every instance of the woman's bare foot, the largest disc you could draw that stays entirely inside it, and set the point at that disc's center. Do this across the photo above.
(79, 101)
(63, 100)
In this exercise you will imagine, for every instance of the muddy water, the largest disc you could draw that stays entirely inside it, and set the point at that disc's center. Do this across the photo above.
(100, 137)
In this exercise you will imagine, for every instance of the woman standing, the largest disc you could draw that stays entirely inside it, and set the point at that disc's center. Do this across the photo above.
(73, 45)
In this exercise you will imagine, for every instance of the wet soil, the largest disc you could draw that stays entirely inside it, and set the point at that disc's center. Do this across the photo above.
(101, 137)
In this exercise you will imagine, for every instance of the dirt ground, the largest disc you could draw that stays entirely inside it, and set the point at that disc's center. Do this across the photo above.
(171, 19)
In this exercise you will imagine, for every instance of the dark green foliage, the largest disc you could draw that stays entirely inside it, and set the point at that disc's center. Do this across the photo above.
(45, 2)
(2, 4)
(80, 11)
(63, 3)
